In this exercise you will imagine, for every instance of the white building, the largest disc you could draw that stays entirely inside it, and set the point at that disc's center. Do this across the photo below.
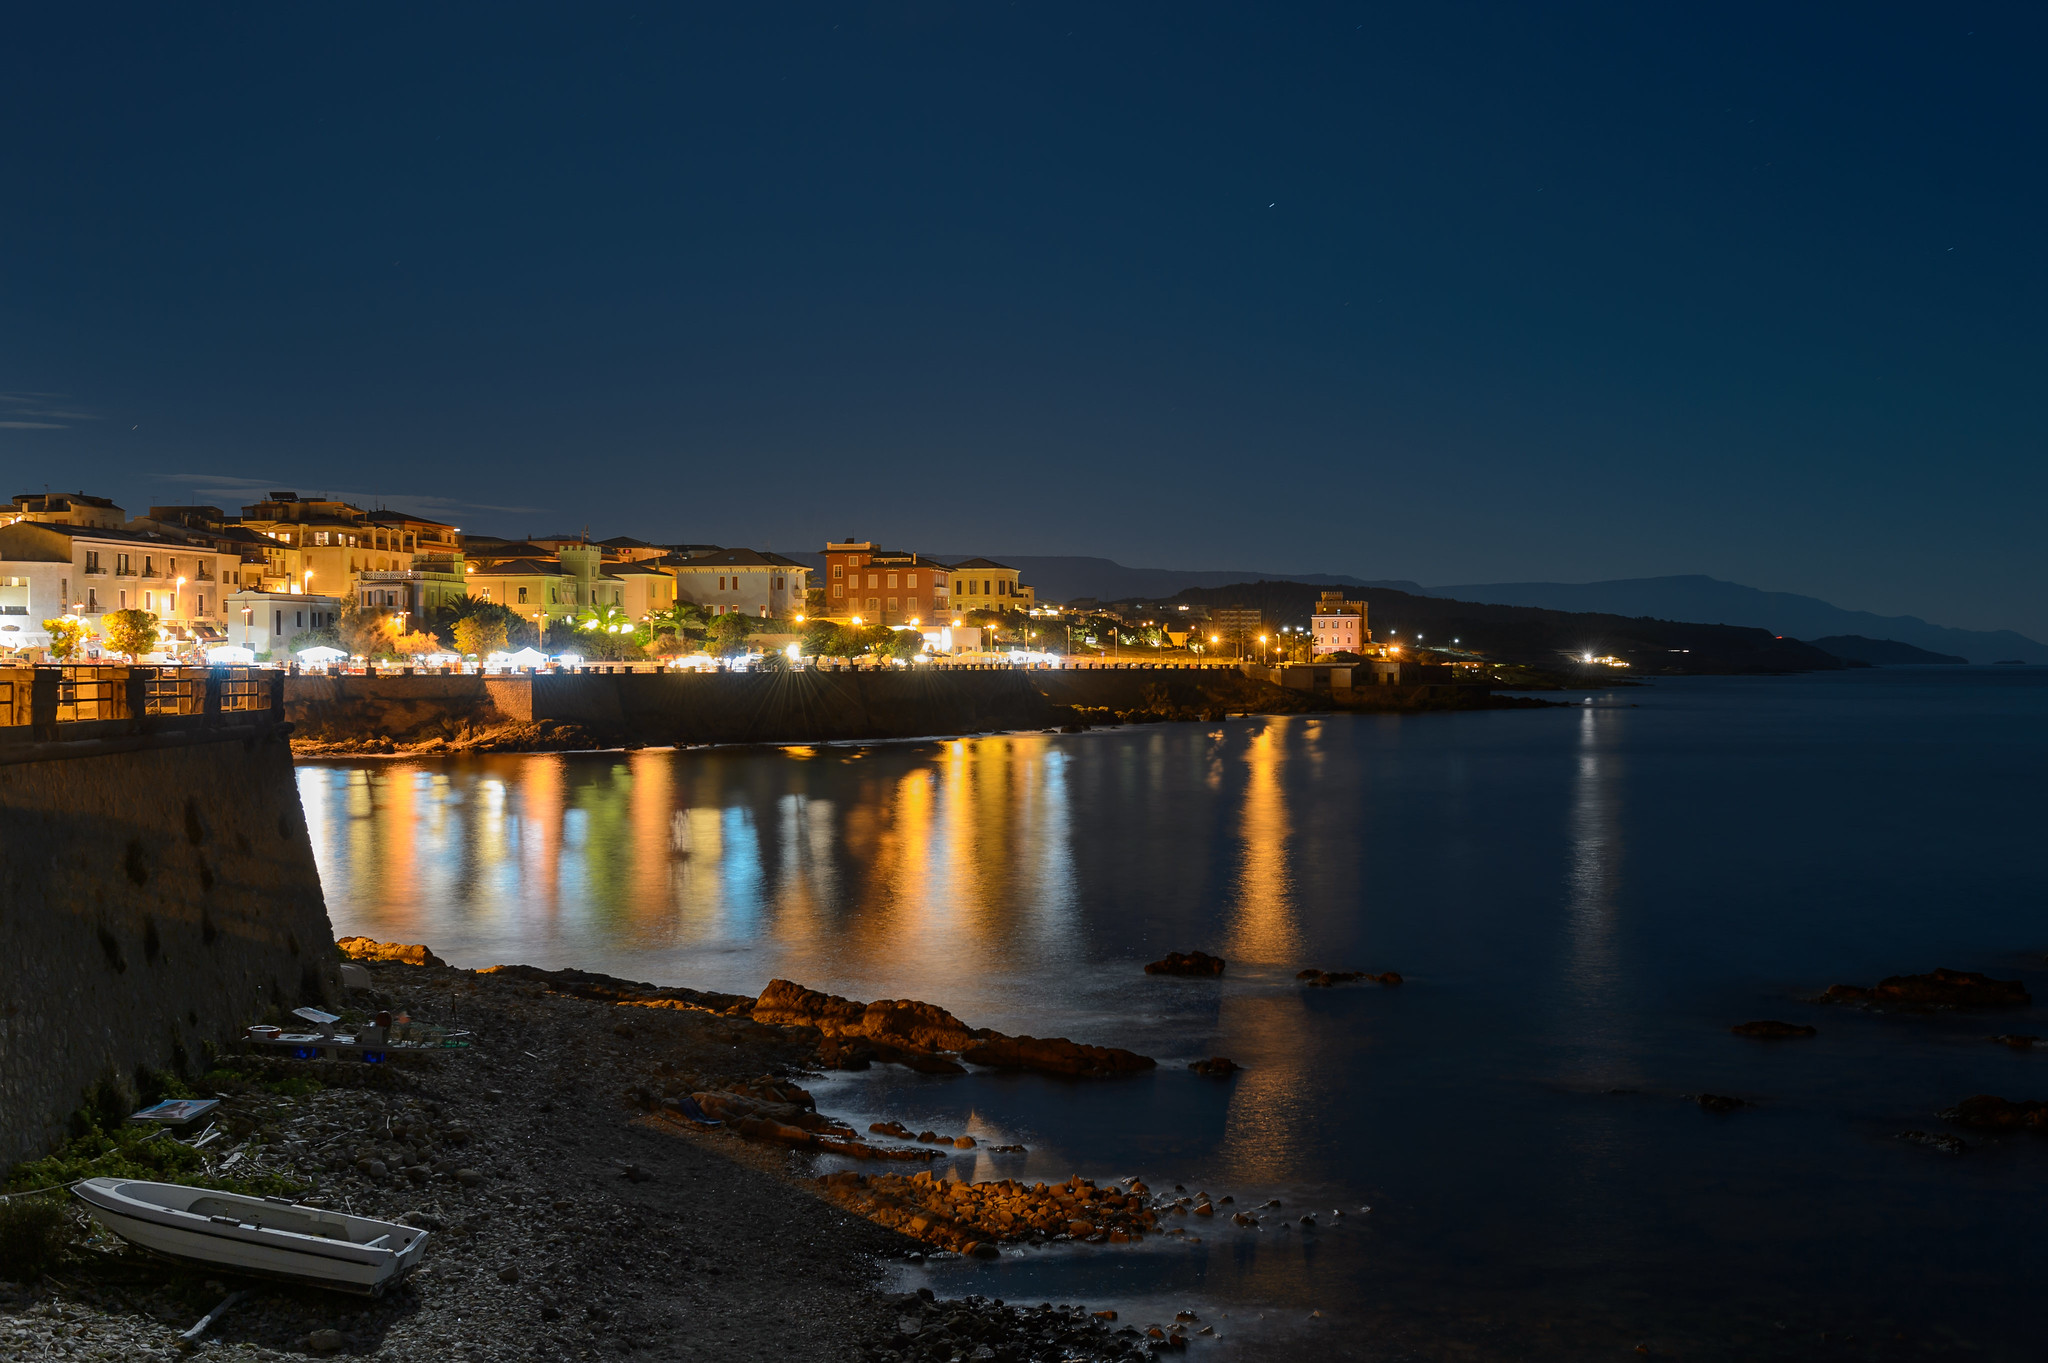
(51, 569)
(753, 583)
(267, 622)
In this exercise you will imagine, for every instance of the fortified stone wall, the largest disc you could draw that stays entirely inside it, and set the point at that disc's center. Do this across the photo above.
(673, 707)
(794, 707)
(346, 706)
(151, 900)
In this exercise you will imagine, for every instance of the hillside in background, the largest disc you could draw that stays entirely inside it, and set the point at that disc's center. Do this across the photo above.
(1854, 648)
(1713, 601)
(1532, 635)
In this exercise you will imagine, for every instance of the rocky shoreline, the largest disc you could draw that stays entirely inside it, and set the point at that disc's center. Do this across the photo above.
(583, 1203)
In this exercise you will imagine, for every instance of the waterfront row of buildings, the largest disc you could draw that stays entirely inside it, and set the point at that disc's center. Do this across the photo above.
(289, 563)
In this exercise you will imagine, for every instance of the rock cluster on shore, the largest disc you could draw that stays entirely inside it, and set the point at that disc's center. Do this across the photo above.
(973, 1218)
(577, 1210)
(925, 1036)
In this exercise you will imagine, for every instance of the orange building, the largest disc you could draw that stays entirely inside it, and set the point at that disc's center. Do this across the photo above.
(885, 586)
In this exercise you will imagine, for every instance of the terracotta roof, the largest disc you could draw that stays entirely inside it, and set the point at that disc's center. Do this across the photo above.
(522, 567)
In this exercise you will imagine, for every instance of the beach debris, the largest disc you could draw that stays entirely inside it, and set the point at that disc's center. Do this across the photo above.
(1215, 1067)
(356, 977)
(176, 1113)
(1939, 988)
(215, 1314)
(1194, 964)
(1771, 1029)
(1324, 979)
(1985, 1112)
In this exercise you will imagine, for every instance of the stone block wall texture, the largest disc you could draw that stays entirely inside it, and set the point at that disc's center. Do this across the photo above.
(150, 901)
(712, 707)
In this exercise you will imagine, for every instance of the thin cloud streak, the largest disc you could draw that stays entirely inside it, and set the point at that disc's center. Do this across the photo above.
(227, 487)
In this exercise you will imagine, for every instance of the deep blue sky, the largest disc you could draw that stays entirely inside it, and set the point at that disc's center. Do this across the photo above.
(1449, 292)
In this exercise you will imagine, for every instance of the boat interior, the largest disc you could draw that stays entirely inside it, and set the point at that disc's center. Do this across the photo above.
(273, 1217)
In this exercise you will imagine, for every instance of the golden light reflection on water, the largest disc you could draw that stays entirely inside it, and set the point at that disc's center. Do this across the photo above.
(1264, 920)
(949, 853)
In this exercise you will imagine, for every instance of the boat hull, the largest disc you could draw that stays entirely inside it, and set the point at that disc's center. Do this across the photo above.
(328, 1261)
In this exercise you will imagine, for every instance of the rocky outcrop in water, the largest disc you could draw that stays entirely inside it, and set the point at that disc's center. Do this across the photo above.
(1215, 1067)
(1773, 1030)
(1987, 1113)
(368, 949)
(1939, 988)
(1324, 979)
(1195, 964)
(926, 1036)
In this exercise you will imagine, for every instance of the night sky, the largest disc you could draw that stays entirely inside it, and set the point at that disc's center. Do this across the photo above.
(1447, 292)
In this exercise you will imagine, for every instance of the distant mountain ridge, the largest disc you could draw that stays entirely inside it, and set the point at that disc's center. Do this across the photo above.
(1708, 600)
(1696, 599)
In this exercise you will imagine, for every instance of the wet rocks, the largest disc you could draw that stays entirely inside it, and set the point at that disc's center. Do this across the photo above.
(974, 1330)
(1987, 1113)
(1324, 979)
(924, 1036)
(1193, 964)
(369, 949)
(1055, 1055)
(1215, 1067)
(1719, 1102)
(1770, 1029)
(1947, 1145)
(959, 1216)
(1940, 988)
(2019, 1041)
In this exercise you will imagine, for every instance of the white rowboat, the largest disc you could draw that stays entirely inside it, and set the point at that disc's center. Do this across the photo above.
(271, 1236)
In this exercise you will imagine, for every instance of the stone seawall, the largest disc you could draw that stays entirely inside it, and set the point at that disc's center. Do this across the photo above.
(789, 707)
(151, 901)
(711, 707)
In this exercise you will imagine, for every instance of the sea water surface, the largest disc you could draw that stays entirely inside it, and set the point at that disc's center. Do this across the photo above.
(1582, 901)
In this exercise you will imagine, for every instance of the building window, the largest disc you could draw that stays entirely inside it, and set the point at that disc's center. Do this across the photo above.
(838, 589)
(892, 579)
(892, 605)
(92, 560)
(522, 596)
(873, 605)
(838, 571)
(778, 584)
(92, 600)
(874, 581)
(721, 584)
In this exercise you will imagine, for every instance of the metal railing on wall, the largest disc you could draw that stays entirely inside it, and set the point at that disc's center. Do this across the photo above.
(90, 700)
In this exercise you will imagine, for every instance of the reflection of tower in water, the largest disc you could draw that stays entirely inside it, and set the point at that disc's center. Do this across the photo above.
(1268, 1100)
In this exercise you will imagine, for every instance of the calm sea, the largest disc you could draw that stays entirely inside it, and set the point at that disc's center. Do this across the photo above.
(1582, 902)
